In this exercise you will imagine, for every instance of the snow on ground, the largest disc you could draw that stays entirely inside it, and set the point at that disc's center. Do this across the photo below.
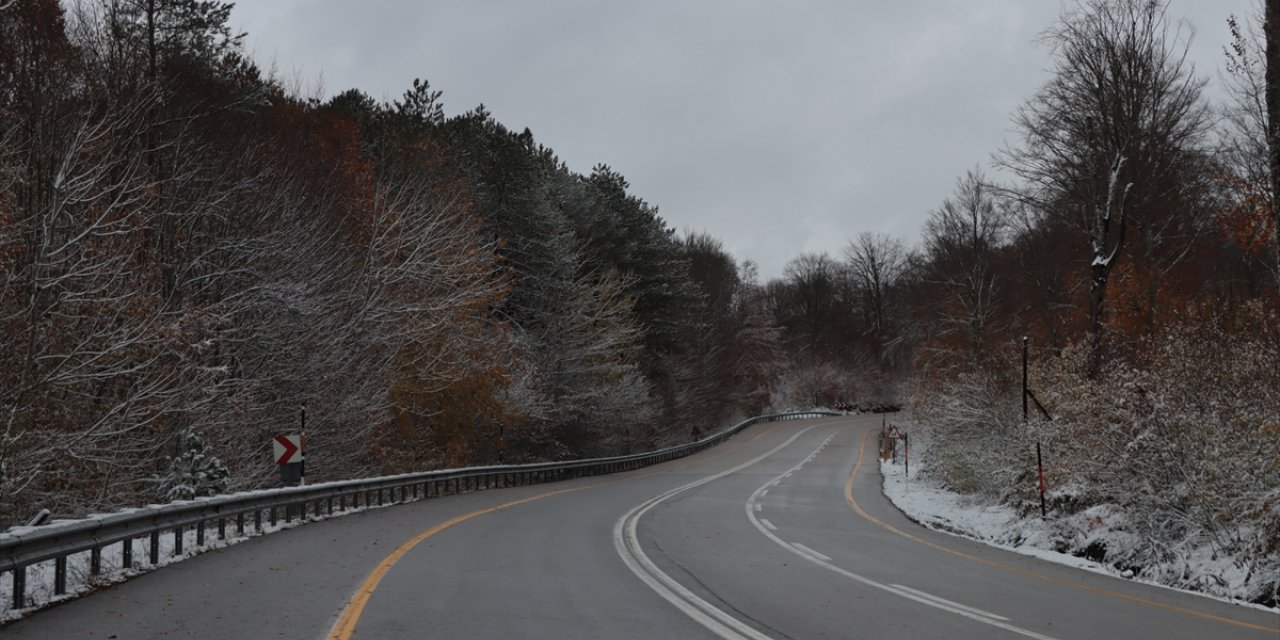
(1067, 540)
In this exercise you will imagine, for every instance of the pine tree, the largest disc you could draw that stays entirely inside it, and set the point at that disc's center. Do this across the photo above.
(195, 472)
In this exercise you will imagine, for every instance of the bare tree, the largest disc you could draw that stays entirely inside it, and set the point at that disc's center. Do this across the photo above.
(759, 354)
(876, 262)
(1246, 154)
(808, 302)
(1245, 116)
(1106, 142)
(961, 240)
(1272, 31)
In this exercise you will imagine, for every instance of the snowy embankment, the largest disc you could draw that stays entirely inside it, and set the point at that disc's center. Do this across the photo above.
(1075, 540)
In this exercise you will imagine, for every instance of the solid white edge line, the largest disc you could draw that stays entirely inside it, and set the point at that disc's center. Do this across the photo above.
(811, 552)
(768, 524)
(937, 603)
(627, 544)
(930, 596)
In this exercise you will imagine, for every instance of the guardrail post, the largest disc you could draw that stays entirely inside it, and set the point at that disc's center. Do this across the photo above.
(222, 528)
(177, 541)
(59, 575)
(200, 534)
(19, 587)
(154, 552)
(273, 516)
(95, 561)
(126, 554)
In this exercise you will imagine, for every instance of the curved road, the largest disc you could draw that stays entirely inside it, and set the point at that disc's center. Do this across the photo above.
(780, 533)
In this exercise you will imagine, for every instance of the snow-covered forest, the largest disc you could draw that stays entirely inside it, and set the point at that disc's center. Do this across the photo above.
(192, 251)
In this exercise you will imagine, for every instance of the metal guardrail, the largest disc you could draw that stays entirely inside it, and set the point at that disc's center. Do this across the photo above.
(58, 541)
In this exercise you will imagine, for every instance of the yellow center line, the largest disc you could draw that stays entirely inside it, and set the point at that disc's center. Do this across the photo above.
(345, 627)
(346, 624)
(848, 496)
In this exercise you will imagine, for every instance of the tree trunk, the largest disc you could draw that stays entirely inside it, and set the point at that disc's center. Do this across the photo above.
(1101, 273)
(1273, 106)
(151, 39)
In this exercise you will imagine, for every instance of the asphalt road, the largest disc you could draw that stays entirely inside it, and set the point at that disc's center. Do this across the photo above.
(767, 536)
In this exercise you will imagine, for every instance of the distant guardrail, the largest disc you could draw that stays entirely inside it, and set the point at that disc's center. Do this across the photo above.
(247, 511)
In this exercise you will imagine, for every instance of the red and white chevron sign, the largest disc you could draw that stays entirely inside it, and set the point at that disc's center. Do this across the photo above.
(288, 449)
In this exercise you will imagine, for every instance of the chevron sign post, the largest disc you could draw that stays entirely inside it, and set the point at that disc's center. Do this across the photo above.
(288, 453)
(288, 449)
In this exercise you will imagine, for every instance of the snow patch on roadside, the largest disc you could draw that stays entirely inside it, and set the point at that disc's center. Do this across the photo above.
(1079, 540)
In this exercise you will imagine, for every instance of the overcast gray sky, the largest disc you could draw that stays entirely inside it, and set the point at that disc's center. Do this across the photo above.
(778, 127)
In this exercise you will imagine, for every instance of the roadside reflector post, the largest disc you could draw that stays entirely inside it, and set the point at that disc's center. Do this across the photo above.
(906, 455)
(302, 444)
(1040, 472)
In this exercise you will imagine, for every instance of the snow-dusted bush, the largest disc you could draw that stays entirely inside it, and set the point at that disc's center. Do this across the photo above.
(1178, 444)
(1184, 437)
(806, 385)
(818, 382)
(975, 428)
